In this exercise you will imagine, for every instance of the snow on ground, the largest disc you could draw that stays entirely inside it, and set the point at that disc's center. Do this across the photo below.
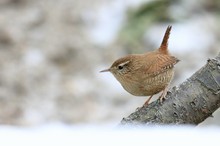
(60, 134)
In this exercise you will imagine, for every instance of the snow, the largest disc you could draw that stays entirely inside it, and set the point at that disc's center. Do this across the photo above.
(108, 20)
(60, 134)
(34, 57)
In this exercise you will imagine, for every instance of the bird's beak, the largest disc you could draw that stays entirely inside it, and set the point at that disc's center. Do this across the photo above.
(105, 70)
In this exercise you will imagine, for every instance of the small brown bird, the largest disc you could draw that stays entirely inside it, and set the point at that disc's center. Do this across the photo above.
(146, 74)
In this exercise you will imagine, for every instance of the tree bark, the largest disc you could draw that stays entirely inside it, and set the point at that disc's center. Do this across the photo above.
(189, 103)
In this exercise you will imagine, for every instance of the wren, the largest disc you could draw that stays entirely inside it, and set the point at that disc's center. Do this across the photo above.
(146, 74)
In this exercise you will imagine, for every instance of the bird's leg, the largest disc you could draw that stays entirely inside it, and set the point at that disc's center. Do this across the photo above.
(164, 93)
(148, 100)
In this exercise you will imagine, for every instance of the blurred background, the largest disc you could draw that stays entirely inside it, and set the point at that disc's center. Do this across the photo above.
(51, 52)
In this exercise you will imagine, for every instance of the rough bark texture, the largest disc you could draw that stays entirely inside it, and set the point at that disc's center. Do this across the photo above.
(189, 103)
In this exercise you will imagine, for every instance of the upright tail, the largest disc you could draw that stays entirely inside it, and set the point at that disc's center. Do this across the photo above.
(164, 45)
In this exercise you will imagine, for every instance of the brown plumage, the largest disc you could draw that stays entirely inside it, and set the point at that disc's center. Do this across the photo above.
(146, 74)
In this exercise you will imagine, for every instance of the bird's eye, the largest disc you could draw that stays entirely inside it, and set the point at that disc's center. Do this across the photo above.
(120, 67)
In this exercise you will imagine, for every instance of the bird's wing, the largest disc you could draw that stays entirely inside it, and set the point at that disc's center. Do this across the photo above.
(159, 64)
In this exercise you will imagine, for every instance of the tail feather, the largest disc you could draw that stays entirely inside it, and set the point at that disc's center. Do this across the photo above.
(164, 45)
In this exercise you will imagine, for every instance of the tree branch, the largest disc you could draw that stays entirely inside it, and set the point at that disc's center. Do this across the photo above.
(189, 103)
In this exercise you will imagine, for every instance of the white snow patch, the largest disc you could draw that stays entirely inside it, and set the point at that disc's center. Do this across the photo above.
(108, 20)
(60, 134)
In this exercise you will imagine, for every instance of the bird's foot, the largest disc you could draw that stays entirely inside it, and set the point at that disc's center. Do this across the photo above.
(147, 102)
(162, 98)
(163, 95)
